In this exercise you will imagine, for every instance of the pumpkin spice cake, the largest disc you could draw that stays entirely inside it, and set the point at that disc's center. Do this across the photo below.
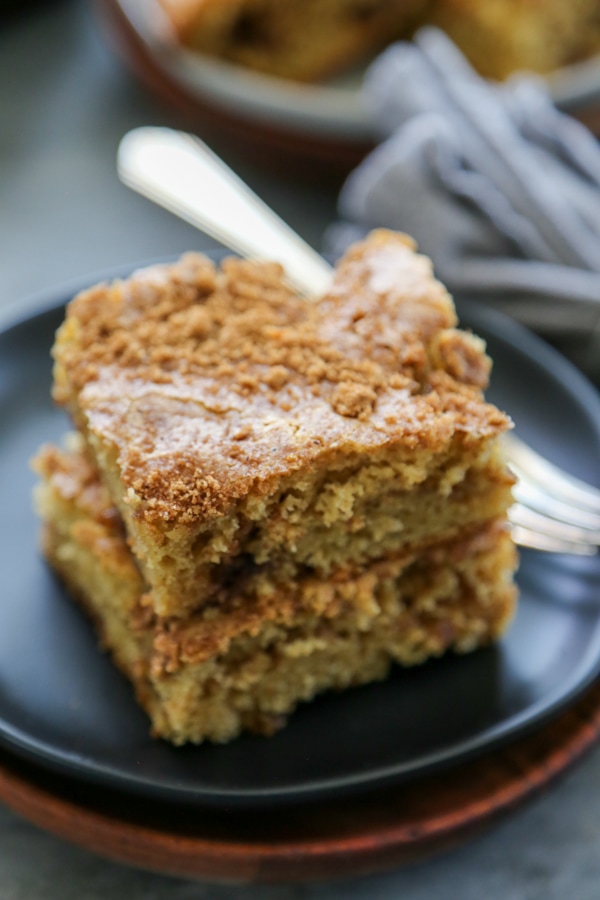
(267, 497)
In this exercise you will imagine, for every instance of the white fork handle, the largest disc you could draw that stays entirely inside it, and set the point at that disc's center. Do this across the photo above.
(181, 173)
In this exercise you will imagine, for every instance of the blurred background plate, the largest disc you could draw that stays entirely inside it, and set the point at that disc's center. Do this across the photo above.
(306, 129)
(315, 129)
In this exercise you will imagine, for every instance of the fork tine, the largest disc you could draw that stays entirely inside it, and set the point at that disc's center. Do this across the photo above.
(533, 468)
(539, 532)
(533, 540)
(553, 511)
(534, 497)
(535, 521)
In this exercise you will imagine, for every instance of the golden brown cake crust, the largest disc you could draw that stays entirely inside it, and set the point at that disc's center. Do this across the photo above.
(214, 384)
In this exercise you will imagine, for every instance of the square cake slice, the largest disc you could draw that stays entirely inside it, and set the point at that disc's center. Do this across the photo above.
(245, 662)
(267, 498)
(246, 435)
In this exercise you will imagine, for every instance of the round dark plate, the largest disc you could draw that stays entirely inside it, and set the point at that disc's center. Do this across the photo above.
(64, 706)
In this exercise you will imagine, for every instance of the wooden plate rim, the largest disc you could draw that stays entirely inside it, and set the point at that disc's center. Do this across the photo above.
(356, 836)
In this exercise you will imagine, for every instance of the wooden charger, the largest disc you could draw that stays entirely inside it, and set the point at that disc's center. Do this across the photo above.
(338, 838)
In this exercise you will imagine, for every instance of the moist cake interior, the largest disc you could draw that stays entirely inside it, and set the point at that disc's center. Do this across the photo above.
(245, 662)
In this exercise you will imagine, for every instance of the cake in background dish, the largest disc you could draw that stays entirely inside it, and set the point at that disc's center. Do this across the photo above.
(500, 37)
(268, 498)
(306, 40)
(310, 40)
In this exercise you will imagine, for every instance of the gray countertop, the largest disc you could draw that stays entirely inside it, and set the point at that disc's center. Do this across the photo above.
(65, 101)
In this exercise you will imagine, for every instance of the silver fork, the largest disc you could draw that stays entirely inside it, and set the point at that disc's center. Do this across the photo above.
(553, 511)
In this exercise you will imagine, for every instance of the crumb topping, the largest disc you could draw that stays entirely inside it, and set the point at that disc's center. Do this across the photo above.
(75, 478)
(212, 382)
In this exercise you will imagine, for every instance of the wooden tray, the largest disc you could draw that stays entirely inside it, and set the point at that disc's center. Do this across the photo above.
(350, 837)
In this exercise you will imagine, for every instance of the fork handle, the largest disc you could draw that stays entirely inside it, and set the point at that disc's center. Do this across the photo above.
(179, 172)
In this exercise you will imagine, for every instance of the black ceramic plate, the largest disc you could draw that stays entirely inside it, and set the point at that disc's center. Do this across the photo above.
(63, 705)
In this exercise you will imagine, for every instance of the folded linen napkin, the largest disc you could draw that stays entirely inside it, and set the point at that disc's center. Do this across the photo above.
(495, 184)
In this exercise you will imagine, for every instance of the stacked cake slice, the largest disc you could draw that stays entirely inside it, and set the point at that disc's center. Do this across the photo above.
(267, 498)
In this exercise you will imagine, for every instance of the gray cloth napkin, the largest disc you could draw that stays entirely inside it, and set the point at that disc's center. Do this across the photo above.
(495, 184)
